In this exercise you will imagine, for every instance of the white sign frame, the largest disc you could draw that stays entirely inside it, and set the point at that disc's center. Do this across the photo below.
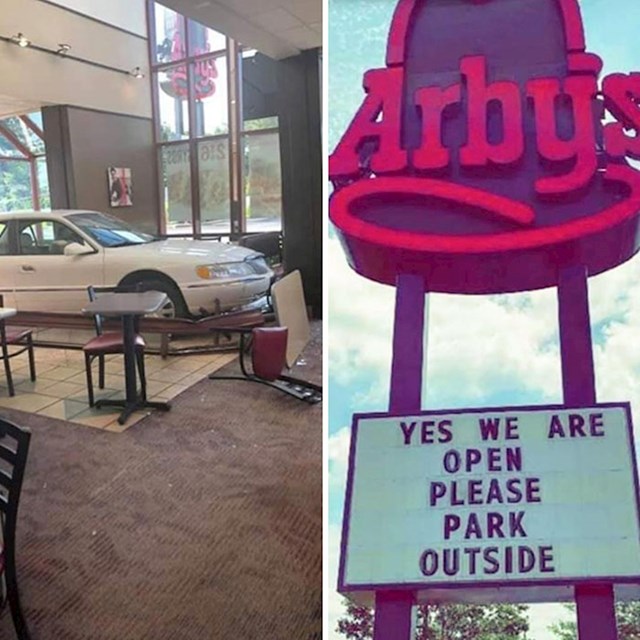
(539, 589)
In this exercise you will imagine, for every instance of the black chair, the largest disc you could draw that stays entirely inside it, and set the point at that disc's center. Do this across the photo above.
(268, 346)
(15, 337)
(14, 447)
(108, 343)
(269, 244)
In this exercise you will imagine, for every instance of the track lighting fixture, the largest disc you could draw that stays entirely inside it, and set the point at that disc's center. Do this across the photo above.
(63, 49)
(21, 40)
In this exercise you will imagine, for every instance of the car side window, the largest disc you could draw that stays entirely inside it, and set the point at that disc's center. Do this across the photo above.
(45, 237)
(4, 239)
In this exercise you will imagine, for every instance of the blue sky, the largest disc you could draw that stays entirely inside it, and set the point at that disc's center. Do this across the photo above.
(509, 353)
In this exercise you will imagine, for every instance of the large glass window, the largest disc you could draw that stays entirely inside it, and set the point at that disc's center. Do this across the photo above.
(262, 186)
(23, 173)
(210, 81)
(217, 134)
(176, 180)
(215, 202)
(170, 35)
(43, 183)
(173, 103)
(204, 40)
(15, 186)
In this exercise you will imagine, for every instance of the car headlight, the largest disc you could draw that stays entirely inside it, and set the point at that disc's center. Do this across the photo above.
(229, 270)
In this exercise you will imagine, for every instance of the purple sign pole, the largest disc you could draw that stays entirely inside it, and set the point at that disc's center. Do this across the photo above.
(393, 608)
(595, 603)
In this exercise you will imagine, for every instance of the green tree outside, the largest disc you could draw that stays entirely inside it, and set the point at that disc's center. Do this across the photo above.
(447, 622)
(627, 616)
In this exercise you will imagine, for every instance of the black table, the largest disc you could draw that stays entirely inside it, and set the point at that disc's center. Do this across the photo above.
(128, 306)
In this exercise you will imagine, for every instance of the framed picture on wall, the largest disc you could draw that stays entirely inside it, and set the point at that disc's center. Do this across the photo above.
(119, 187)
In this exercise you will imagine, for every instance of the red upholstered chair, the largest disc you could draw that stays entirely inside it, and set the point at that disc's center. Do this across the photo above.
(14, 447)
(269, 351)
(108, 343)
(15, 337)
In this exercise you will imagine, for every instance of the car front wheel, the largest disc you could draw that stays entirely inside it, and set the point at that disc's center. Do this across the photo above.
(174, 307)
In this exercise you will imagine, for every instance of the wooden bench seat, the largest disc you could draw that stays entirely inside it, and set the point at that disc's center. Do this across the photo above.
(228, 323)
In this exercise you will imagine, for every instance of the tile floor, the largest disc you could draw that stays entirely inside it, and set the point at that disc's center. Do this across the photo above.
(60, 389)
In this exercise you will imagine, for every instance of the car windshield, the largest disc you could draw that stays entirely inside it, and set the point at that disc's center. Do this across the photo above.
(109, 231)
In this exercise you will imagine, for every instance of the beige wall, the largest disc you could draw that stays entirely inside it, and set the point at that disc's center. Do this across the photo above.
(101, 140)
(82, 144)
(42, 78)
(126, 14)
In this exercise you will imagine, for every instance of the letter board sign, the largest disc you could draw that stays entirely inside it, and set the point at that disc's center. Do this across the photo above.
(458, 505)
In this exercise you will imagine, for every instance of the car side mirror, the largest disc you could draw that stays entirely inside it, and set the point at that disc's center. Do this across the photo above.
(77, 249)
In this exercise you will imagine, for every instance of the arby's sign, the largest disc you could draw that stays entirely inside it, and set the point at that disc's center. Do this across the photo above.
(489, 154)
(458, 505)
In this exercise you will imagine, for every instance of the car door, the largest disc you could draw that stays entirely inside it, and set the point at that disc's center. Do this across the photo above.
(45, 278)
(7, 264)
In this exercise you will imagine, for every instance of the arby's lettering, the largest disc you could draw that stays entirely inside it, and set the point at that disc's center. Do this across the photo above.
(379, 121)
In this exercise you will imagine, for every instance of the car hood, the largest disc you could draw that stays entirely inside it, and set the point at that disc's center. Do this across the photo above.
(200, 251)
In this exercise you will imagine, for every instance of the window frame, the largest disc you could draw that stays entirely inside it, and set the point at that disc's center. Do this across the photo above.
(26, 155)
(232, 53)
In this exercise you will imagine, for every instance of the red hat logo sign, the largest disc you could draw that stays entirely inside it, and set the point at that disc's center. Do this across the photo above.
(479, 158)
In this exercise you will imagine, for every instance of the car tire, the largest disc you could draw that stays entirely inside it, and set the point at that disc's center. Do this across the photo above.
(175, 306)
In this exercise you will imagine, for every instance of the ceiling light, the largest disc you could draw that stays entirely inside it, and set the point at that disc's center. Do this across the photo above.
(63, 49)
(136, 73)
(21, 40)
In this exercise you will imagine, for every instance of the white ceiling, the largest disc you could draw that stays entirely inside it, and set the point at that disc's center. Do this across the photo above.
(10, 106)
(277, 28)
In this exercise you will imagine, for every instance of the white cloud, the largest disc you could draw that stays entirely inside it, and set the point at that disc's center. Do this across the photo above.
(338, 448)
(338, 455)
(334, 601)
(618, 356)
(542, 616)
(476, 345)
(483, 345)
(360, 319)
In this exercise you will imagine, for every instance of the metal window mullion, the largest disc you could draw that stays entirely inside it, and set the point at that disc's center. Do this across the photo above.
(235, 141)
(196, 220)
(13, 140)
(155, 114)
(162, 213)
(257, 132)
(35, 186)
(32, 126)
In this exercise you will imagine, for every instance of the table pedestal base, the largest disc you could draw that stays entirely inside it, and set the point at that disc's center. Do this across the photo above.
(129, 407)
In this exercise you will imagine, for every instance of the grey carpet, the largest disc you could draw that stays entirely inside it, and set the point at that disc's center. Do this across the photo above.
(202, 523)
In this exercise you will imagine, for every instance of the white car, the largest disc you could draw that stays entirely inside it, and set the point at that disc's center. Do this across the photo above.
(47, 260)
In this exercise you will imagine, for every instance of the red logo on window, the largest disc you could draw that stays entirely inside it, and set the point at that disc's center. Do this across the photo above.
(479, 157)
